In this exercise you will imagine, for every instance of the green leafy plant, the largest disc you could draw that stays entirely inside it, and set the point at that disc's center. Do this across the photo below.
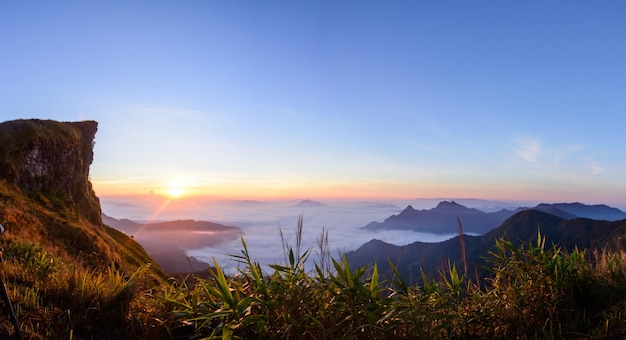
(530, 291)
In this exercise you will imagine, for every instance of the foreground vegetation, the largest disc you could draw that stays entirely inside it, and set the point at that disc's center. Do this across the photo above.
(531, 291)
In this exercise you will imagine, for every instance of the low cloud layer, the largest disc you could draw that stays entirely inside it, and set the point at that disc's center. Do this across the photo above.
(261, 223)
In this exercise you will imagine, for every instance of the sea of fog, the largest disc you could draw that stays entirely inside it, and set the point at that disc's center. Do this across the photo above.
(262, 221)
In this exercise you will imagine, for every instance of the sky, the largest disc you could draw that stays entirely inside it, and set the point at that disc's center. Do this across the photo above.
(331, 99)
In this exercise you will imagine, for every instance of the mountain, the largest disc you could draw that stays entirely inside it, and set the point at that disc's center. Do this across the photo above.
(551, 209)
(124, 224)
(376, 205)
(179, 226)
(476, 203)
(443, 219)
(167, 242)
(46, 197)
(596, 212)
(523, 226)
(309, 204)
(53, 159)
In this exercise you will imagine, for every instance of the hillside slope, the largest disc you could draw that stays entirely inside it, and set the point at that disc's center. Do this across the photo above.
(46, 196)
(68, 274)
(166, 242)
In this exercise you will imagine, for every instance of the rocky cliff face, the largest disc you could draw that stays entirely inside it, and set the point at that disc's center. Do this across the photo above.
(52, 159)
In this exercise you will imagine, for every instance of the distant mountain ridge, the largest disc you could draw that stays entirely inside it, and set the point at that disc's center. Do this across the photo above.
(309, 204)
(476, 203)
(577, 209)
(445, 217)
(131, 227)
(523, 226)
(166, 242)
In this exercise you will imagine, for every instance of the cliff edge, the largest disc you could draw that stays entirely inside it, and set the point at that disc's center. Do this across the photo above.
(50, 160)
(46, 197)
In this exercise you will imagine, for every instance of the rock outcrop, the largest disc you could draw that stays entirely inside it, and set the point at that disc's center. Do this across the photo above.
(51, 159)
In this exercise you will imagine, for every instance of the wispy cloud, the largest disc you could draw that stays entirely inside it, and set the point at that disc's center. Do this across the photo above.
(533, 149)
(170, 111)
(594, 167)
(559, 161)
(529, 149)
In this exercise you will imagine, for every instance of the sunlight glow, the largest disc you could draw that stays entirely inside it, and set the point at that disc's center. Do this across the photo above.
(176, 189)
(175, 192)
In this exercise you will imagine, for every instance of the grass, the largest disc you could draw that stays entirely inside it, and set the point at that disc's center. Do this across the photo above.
(58, 299)
(532, 291)
(65, 233)
(69, 278)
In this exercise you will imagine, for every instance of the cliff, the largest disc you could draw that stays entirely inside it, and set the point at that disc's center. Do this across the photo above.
(49, 159)
(46, 197)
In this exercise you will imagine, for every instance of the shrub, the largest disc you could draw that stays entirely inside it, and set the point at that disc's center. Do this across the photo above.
(531, 292)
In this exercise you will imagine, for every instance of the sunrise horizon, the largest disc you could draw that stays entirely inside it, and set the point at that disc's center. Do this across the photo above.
(502, 101)
(192, 195)
(278, 169)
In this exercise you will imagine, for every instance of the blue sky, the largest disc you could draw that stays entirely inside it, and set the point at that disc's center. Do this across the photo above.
(368, 99)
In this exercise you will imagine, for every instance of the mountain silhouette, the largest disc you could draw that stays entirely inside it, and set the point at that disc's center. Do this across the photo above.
(596, 212)
(167, 242)
(445, 217)
(309, 204)
(413, 259)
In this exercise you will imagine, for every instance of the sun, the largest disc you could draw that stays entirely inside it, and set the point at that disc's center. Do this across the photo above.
(176, 189)
(175, 192)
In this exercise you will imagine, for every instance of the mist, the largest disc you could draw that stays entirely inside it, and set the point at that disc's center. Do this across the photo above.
(262, 221)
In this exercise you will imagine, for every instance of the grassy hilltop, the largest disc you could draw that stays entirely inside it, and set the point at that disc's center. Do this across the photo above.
(66, 271)
(72, 277)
